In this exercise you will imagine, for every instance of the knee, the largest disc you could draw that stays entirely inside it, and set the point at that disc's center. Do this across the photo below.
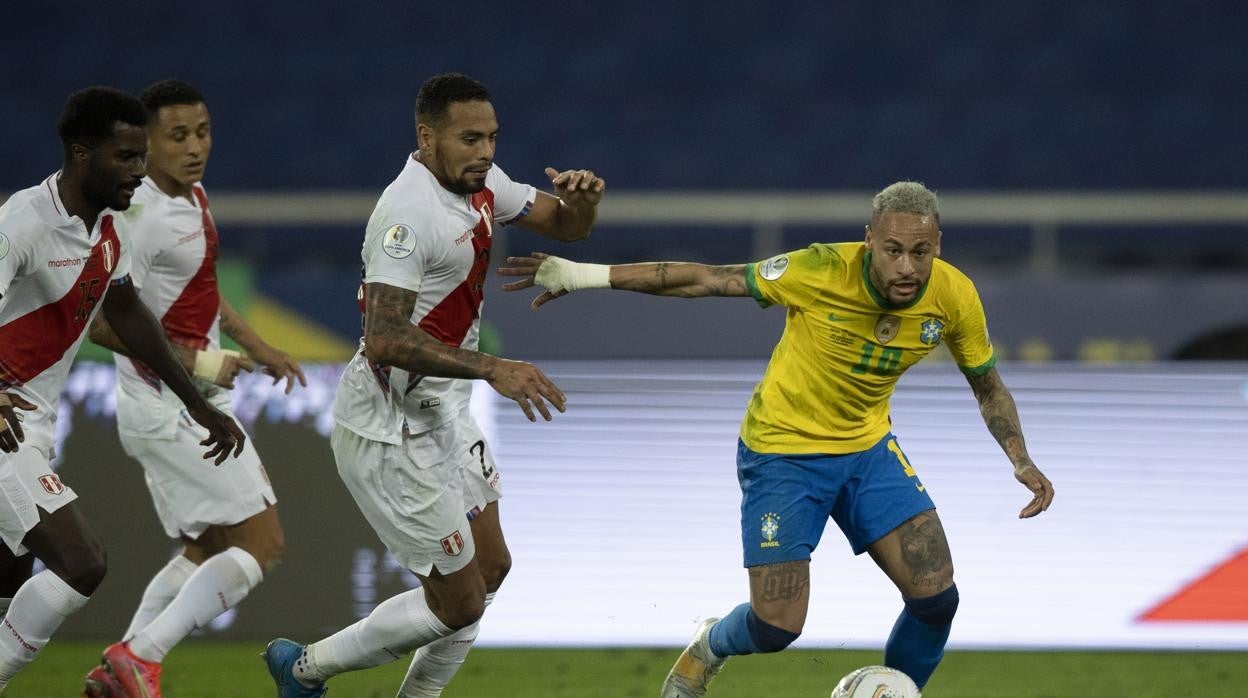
(465, 612)
(935, 610)
(463, 607)
(273, 551)
(767, 637)
(494, 576)
(84, 568)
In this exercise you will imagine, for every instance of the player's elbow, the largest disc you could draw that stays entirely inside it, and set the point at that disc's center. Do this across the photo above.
(98, 332)
(377, 350)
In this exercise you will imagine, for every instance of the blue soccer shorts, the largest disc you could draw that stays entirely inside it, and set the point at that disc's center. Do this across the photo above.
(786, 499)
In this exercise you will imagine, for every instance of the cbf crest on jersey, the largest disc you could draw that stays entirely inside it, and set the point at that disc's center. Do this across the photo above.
(399, 241)
(770, 531)
(886, 327)
(930, 331)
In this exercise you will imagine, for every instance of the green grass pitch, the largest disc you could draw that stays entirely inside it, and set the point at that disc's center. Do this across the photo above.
(211, 670)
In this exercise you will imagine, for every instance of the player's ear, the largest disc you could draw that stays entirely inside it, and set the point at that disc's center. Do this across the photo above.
(424, 137)
(80, 152)
(868, 237)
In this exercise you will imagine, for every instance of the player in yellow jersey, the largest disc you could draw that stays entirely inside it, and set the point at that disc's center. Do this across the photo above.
(816, 442)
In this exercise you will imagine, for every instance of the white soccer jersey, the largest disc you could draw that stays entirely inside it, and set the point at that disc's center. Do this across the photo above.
(52, 277)
(426, 239)
(174, 248)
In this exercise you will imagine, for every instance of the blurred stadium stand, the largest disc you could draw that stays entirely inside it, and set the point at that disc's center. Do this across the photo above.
(1091, 153)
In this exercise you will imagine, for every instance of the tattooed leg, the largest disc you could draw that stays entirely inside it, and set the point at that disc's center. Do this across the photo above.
(916, 556)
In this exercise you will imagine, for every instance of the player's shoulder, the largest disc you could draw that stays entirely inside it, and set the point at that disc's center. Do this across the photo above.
(826, 257)
(497, 177)
(23, 216)
(951, 276)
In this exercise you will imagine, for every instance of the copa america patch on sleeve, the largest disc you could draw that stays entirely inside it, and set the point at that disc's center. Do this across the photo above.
(399, 241)
(774, 268)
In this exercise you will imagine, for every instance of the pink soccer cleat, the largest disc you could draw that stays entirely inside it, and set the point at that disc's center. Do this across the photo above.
(138, 678)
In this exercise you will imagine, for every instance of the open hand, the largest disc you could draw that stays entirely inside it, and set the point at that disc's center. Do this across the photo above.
(223, 433)
(529, 267)
(278, 364)
(528, 386)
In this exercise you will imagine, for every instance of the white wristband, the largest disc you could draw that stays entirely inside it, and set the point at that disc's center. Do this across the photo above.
(208, 363)
(558, 274)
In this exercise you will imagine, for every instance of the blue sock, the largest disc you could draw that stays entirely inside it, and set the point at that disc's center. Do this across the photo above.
(917, 642)
(743, 632)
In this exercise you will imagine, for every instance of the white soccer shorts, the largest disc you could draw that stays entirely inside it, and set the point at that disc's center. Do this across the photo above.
(191, 493)
(415, 495)
(27, 484)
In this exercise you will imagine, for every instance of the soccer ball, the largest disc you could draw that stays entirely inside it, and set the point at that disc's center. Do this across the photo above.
(876, 682)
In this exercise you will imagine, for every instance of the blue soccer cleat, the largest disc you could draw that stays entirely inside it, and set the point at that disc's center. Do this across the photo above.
(280, 656)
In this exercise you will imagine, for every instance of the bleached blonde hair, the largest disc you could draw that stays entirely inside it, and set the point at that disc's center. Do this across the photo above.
(906, 197)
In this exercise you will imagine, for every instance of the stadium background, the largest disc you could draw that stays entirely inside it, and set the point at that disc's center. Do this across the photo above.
(1091, 160)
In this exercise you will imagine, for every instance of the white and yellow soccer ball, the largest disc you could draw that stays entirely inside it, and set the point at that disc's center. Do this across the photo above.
(876, 682)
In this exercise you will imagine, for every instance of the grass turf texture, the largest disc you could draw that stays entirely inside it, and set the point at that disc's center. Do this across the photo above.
(212, 670)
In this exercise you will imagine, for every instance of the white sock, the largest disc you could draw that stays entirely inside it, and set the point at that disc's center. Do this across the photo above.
(397, 626)
(435, 664)
(160, 591)
(218, 585)
(38, 609)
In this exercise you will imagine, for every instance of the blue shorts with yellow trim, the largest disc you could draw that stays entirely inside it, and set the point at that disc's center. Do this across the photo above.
(786, 499)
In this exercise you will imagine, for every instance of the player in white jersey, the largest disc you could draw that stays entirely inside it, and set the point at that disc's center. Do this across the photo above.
(225, 518)
(406, 447)
(64, 253)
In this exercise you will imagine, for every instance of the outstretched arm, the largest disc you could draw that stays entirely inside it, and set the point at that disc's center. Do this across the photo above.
(217, 366)
(683, 279)
(1000, 414)
(137, 329)
(391, 339)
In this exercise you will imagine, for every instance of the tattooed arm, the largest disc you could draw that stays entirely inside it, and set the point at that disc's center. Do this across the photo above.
(684, 279)
(391, 339)
(1000, 414)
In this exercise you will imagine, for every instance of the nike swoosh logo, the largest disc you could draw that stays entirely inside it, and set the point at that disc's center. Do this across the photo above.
(920, 487)
(138, 679)
(833, 317)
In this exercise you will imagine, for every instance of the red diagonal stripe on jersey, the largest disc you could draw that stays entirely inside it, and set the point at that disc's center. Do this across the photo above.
(32, 343)
(450, 320)
(1220, 595)
(189, 319)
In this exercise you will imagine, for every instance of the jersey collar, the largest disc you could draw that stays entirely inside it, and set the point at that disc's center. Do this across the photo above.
(881, 300)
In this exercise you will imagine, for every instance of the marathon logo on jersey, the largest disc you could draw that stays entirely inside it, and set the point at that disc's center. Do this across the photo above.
(774, 268)
(453, 544)
(886, 328)
(930, 331)
(770, 530)
(51, 484)
(399, 241)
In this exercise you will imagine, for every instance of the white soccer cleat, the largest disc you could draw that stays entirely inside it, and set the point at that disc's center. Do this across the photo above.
(696, 666)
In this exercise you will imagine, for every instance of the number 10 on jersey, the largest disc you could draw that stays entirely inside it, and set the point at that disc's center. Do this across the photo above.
(885, 363)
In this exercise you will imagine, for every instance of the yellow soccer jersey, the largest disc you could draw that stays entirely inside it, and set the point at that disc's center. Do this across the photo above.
(844, 346)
